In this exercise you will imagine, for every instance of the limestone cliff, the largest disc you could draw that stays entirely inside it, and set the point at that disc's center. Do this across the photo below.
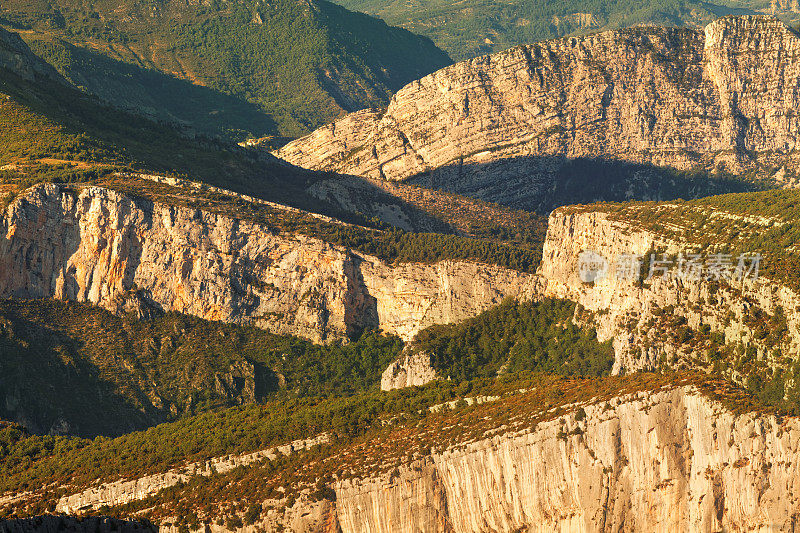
(412, 369)
(504, 127)
(100, 246)
(638, 315)
(670, 459)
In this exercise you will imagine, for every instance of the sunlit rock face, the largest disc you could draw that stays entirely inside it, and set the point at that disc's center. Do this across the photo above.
(503, 127)
(126, 254)
(667, 461)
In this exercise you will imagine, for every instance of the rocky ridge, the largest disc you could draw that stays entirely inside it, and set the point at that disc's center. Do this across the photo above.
(125, 491)
(504, 127)
(121, 253)
(666, 459)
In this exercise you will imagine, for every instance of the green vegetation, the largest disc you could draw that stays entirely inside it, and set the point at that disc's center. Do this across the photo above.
(79, 369)
(371, 432)
(468, 29)
(301, 63)
(514, 337)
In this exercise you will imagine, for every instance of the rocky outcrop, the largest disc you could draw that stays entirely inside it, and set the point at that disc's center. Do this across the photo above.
(668, 461)
(16, 57)
(100, 246)
(412, 369)
(634, 313)
(125, 491)
(504, 127)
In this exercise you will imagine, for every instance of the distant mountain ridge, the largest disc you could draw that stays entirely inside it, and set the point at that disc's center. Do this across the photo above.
(474, 27)
(296, 64)
(642, 113)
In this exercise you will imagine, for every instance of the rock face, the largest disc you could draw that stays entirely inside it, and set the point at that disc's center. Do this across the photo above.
(18, 58)
(634, 314)
(671, 461)
(663, 460)
(98, 246)
(504, 127)
(412, 369)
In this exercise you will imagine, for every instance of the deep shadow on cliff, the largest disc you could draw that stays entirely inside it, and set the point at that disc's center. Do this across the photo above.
(542, 183)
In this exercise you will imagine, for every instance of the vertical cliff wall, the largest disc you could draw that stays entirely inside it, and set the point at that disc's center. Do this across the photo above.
(667, 461)
(103, 247)
(502, 126)
(640, 315)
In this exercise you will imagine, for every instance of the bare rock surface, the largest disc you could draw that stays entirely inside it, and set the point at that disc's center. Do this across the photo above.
(503, 127)
(664, 460)
(634, 313)
(668, 461)
(99, 246)
(412, 369)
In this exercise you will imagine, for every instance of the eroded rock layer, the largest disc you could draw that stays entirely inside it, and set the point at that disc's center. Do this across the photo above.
(126, 255)
(504, 127)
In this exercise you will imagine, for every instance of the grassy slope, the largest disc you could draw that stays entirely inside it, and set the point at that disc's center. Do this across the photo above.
(303, 64)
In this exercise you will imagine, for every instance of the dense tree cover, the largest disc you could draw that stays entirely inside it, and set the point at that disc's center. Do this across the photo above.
(516, 336)
(193, 108)
(302, 63)
(468, 29)
(76, 368)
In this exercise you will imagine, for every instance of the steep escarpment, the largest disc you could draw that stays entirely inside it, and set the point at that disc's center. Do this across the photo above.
(579, 119)
(669, 460)
(100, 246)
(738, 327)
(657, 457)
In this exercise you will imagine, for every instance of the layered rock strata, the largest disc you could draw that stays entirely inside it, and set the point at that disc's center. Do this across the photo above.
(504, 127)
(101, 246)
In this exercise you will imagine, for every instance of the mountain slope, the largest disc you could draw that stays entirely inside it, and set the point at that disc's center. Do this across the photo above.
(503, 456)
(468, 29)
(303, 63)
(647, 113)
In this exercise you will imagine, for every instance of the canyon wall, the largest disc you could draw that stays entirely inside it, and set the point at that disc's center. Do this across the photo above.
(127, 254)
(639, 314)
(664, 461)
(502, 127)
